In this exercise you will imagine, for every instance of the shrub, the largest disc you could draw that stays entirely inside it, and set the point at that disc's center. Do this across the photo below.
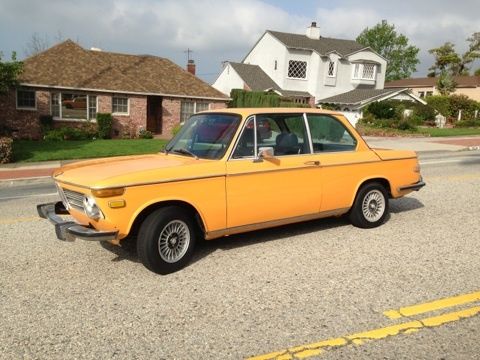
(86, 132)
(145, 134)
(441, 104)
(46, 123)
(464, 103)
(105, 125)
(382, 110)
(468, 123)
(422, 113)
(406, 125)
(6, 153)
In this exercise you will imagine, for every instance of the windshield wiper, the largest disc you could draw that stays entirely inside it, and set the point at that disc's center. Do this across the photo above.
(185, 152)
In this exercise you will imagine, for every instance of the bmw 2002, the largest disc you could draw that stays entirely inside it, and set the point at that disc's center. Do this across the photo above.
(226, 172)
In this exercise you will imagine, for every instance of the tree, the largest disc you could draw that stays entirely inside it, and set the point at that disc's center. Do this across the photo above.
(445, 84)
(447, 59)
(9, 72)
(477, 72)
(36, 45)
(402, 57)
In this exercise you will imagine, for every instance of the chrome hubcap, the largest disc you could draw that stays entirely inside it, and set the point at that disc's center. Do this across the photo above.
(373, 205)
(174, 241)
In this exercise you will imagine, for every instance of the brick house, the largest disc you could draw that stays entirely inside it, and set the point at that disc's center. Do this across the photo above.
(74, 84)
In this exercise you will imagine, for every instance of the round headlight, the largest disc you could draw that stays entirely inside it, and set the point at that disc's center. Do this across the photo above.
(91, 208)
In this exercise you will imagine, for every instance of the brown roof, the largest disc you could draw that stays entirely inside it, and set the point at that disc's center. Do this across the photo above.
(68, 65)
(323, 45)
(462, 82)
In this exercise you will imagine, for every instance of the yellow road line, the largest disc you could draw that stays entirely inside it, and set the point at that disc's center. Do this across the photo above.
(19, 220)
(315, 349)
(433, 305)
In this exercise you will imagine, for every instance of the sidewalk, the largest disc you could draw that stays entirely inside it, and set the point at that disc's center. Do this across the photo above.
(42, 171)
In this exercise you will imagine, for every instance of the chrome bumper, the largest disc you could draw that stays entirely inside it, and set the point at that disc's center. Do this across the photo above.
(70, 230)
(415, 187)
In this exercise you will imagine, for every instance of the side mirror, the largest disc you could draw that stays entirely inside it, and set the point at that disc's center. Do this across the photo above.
(265, 152)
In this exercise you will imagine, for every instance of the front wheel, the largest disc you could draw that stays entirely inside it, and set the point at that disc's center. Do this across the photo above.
(166, 240)
(370, 207)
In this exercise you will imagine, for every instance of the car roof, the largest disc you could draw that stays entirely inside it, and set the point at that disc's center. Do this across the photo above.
(248, 111)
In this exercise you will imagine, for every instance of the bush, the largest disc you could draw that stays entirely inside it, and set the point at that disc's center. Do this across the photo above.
(422, 113)
(145, 134)
(464, 103)
(6, 153)
(467, 123)
(382, 110)
(46, 123)
(86, 132)
(105, 125)
(441, 104)
(406, 125)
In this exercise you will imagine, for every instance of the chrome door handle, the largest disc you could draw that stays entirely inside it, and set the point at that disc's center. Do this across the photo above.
(313, 163)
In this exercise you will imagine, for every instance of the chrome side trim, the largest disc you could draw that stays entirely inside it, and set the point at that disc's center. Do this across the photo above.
(268, 224)
(303, 167)
(144, 183)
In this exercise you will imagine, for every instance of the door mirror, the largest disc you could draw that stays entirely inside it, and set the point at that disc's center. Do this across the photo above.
(265, 152)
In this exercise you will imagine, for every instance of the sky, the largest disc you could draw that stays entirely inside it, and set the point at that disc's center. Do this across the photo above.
(221, 30)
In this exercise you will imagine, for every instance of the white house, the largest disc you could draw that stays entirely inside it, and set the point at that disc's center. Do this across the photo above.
(305, 68)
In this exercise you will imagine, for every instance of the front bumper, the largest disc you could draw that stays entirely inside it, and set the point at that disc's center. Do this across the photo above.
(70, 230)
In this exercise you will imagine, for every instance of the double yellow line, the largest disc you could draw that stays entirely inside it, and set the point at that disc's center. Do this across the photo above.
(315, 349)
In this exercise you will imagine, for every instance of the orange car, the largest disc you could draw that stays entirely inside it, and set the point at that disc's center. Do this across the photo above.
(231, 171)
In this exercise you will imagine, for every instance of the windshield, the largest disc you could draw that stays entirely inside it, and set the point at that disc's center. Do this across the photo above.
(205, 136)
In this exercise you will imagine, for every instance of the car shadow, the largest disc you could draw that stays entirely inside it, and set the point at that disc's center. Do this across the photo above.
(127, 250)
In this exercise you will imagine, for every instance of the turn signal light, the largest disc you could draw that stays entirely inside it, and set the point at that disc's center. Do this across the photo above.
(103, 193)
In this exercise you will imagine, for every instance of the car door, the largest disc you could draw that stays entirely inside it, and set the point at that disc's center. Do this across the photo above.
(277, 188)
(343, 165)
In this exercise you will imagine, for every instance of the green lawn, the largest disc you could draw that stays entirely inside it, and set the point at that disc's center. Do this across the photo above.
(436, 132)
(30, 151)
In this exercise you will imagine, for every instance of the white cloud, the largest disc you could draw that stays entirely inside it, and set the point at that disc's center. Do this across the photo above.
(225, 30)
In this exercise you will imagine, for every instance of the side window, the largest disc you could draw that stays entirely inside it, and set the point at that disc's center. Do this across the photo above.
(329, 134)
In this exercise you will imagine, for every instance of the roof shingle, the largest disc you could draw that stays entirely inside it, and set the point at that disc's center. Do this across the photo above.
(68, 65)
(323, 45)
(462, 81)
(357, 96)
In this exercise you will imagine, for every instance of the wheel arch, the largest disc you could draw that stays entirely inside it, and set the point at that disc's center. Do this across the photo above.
(381, 180)
(146, 211)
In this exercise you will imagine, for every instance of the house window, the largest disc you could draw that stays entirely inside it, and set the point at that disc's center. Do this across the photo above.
(332, 69)
(364, 71)
(73, 106)
(119, 104)
(297, 69)
(26, 99)
(429, 93)
(421, 94)
(188, 108)
(92, 107)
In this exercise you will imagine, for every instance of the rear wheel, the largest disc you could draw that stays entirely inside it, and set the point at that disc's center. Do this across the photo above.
(370, 207)
(166, 240)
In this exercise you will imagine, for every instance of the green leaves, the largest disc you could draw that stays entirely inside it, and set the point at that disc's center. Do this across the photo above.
(402, 57)
(9, 72)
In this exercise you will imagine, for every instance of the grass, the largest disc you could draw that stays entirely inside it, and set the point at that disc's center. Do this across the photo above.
(433, 132)
(32, 151)
(436, 132)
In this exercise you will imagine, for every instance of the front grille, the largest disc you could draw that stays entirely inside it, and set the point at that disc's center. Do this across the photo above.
(74, 199)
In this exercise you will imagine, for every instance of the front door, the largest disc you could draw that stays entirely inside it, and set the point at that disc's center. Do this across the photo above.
(283, 187)
(154, 114)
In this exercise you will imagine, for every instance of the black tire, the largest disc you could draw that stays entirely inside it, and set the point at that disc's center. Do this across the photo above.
(370, 207)
(166, 240)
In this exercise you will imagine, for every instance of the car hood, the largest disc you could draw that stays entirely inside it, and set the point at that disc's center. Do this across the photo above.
(136, 170)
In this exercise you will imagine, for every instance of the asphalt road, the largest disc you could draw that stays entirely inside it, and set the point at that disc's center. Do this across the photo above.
(259, 292)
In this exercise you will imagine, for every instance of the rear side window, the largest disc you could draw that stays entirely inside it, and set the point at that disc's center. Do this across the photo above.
(329, 134)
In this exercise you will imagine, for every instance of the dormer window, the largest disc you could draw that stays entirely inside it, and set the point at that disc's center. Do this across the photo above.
(364, 71)
(332, 69)
(297, 69)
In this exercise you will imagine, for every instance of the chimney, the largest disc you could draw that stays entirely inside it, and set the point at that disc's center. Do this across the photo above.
(191, 67)
(313, 32)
